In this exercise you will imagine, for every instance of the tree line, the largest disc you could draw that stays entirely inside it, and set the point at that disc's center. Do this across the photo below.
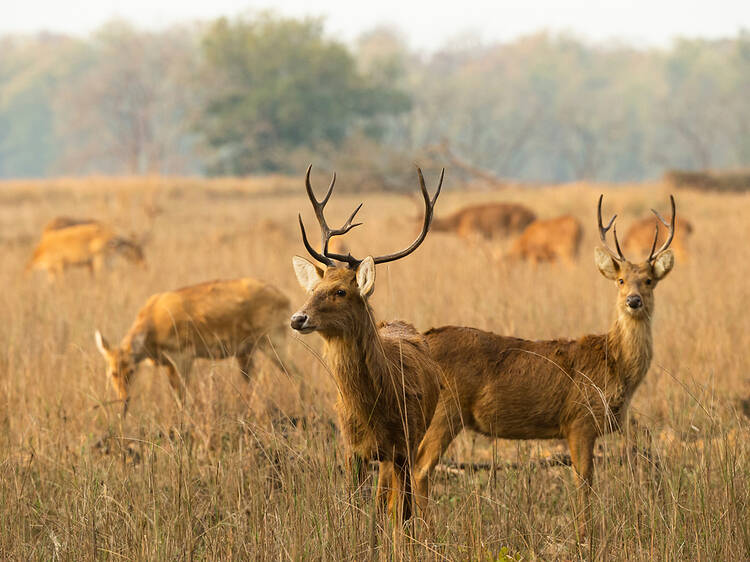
(264, 94)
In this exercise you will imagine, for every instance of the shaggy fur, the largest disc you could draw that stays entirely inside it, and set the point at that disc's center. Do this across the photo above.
(388, 383)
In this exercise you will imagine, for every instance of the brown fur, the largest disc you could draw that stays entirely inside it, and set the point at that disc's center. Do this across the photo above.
(86, 244)
(213, 320)
(548, 240)
(519, 389)
(64, 222)
(388, 383)
(488, 221)
(640, 237)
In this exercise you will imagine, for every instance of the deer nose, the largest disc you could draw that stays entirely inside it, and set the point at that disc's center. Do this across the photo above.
(299, 320)
(634, 301)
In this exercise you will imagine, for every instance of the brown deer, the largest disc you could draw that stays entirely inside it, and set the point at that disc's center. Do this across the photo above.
(571, 389)
(487, 221)
(548, 240)
(64, 222)
(637, 240)
(87, 244)
(388, 383)
(213, 320)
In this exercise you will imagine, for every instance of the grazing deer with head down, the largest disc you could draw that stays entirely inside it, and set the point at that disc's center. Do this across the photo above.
(486, 221)
(548, 240)
(388, 383)
(213, 320)
(571, 389)
(86, 244)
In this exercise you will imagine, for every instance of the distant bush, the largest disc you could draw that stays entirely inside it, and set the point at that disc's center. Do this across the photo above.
(729, 181)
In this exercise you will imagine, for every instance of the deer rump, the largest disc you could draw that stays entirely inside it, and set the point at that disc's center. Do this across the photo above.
(520, 389)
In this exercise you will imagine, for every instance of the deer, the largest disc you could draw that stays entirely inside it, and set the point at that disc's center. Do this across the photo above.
(548, 240)
(87, 244)
(638, 237)
(576, 390)
(212, 320)
(59, 223)
(487, 221)
(388, 382)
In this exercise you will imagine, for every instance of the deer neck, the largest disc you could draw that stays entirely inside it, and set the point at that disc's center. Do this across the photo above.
(631, 347)
(358, 361)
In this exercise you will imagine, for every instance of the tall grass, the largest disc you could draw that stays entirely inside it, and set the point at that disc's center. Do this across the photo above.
(255, 472)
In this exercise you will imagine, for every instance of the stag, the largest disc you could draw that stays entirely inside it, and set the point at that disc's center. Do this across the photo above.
(548, 240)
(87, 244)
(576, 390)
(213, 320)
(388, 383)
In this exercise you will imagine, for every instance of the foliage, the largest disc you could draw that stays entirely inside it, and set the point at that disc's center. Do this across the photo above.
(276, 85)
(266, 93)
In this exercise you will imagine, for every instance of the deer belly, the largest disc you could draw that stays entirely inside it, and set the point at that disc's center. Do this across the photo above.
(508, 418)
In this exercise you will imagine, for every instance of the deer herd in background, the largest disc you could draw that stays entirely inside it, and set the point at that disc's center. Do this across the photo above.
(404, 395)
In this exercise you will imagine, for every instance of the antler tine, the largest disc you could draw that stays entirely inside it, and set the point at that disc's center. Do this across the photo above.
(312, 251)
(429, 204)
(326, 233)
(669, 226)
(603, 232)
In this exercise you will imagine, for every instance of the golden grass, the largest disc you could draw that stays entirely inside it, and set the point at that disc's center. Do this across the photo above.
(256, 473)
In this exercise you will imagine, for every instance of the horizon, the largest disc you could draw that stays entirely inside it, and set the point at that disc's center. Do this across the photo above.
(639, 24)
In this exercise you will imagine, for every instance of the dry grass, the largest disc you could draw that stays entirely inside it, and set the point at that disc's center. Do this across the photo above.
(256, 473)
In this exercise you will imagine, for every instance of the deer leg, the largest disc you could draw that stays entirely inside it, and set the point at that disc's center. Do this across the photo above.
(581, 441)
(445, 425)
(385, 483)
(399, 499)
(178, 371)
(246, 365)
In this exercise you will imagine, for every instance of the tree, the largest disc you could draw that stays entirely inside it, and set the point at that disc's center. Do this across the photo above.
(273, 85)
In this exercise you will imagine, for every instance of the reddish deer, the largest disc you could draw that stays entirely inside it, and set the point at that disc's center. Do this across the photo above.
(64, 222)
(548, 240)
(213, 320)
(488, 221)
(86, 244)
(388, 383)
(637, 239)
(571, 389)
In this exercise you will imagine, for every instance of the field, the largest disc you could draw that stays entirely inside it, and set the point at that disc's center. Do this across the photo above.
(255, 473)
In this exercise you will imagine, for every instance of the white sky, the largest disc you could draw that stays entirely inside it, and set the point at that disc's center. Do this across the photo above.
(427, 25)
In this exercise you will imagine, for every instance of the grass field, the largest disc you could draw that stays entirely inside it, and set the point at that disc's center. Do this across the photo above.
(255, 472)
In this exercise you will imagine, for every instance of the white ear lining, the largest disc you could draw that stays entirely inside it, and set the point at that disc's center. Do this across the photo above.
(366, 276)
(308, 275)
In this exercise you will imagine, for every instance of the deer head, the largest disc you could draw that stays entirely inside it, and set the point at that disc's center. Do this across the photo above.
(635, 281)
(121, 366)
(337, 300)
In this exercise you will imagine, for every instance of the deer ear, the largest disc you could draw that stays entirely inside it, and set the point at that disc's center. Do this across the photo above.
(663, 264)
(366, 276)
(102, 344)
(608, 266)
(308, 274)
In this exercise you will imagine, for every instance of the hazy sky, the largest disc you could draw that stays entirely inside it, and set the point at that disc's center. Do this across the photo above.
(427, 25)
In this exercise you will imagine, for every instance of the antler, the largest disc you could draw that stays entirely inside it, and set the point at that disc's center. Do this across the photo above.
(429, 208)
(603, 232)
(326, 233)
(670, 226)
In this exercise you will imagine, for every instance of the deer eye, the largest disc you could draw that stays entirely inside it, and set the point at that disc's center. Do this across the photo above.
(341, 293)
(621, 281)
(648, 281)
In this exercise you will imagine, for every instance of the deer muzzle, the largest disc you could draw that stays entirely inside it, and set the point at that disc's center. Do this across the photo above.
(301, 322)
